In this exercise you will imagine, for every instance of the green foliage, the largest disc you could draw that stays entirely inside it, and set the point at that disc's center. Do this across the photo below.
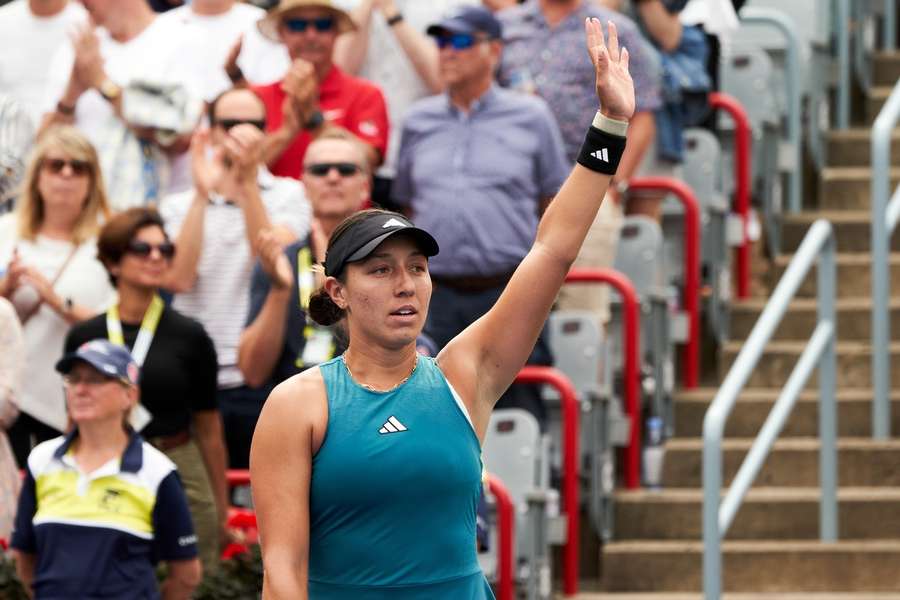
(10, 586)
(239, 578)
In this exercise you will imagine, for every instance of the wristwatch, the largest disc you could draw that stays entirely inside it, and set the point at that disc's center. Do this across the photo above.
(391, 21)
(109, 90)
(314, 121)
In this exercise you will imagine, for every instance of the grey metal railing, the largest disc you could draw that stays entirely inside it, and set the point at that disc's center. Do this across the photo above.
(889, 25)
(885, 214)
(784, 24)
(819, 244)
(841, 29)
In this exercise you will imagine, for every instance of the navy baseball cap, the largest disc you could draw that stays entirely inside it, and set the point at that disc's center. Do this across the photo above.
(469, 19)
(108, 358)
(360, 239)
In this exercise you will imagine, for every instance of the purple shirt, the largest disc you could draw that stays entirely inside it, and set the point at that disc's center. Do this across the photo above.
(553, 62)
(475, 180)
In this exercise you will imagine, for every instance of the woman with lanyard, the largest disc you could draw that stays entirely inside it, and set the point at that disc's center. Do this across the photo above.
(366, 471)
(177, 412)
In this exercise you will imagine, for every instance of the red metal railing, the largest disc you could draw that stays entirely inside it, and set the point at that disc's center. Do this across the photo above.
(631, 363)
(240, 519)
(742, 184)
(570, 413)
(506, 524)
(690, 357)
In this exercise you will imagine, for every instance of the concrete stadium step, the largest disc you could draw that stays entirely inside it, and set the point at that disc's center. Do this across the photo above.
(854, 360)
(766, 514)
(862, 462)
(854, 317)
(850, 188)
(753, 406)
(853, 274)
(852, 230)
(885, 68)
(875, 98)
(755, 566)
(733, 596)
(853, 148)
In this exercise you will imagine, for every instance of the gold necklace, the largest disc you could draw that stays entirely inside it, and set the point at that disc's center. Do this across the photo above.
(372, 388)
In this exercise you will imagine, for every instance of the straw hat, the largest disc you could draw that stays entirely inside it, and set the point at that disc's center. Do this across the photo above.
(268, 25)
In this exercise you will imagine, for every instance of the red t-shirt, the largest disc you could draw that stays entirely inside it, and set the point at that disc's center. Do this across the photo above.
(350, 102)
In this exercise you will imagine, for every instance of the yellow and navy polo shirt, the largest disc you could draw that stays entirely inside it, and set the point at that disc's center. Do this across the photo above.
(99, 535)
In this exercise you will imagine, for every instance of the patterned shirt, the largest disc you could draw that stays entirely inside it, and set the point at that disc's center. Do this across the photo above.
(553, 62)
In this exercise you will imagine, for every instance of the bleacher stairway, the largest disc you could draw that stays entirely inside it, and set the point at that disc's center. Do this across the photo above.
(772, 550)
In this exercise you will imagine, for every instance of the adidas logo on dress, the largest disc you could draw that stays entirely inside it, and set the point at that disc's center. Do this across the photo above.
(392, 425)
(601, 155)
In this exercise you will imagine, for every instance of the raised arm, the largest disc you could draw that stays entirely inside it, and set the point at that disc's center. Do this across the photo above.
(350, 48)
(281, 468)
(485, 358)
(263, 338)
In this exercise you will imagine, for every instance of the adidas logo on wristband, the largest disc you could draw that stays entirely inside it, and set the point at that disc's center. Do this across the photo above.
(601, 154)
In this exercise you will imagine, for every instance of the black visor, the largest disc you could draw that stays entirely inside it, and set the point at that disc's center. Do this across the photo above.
(361, 239)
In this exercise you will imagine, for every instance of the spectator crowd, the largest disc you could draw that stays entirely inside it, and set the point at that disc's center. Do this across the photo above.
(170, 175)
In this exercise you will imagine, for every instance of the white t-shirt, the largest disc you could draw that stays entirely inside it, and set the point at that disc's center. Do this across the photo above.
(262, 61)
(84, 281)
(220, 297)
(27, 45)
(387, 65)
(162, 53)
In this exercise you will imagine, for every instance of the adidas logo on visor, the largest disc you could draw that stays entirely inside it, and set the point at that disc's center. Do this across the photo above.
(392, 222)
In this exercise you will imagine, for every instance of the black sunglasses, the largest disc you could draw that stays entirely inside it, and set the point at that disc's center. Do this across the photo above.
(56, 165)
(144, 249)
(227, 124)
(344, 169)
(297, 25)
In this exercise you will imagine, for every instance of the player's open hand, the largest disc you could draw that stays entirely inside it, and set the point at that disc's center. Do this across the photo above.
(615, 89)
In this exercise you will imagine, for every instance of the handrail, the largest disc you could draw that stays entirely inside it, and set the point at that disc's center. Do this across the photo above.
(819, 243)
(690, 357)
(884, 211)
(506, 524)
(742, 153)
(236, 477)
(779, 20)
(842, 34)
(631, 328)
(570, 414)
(889, 25)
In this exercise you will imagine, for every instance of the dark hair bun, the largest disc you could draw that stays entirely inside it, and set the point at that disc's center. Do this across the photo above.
(323, 310)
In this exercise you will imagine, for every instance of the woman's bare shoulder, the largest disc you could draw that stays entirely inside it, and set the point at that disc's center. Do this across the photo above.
(298, 405)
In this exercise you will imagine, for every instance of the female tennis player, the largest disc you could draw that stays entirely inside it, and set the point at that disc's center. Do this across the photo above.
(366, 470)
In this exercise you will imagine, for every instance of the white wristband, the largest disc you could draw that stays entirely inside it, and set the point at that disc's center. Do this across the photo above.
(610, 126)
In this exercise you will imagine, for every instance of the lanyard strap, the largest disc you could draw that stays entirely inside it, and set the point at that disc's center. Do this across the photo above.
(145, 335)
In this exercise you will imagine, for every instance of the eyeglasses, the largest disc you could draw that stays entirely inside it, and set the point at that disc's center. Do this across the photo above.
(56, 165)
(459, 41)
(90, 379)
(227, 124)
(144, 249)
(322, 24)
(344, 169)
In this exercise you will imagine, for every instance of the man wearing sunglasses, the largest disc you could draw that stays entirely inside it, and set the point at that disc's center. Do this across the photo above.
(315, 94)
(278, 340)
(477, 165)
(216, 227)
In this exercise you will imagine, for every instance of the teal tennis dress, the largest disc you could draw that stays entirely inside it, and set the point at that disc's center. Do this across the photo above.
(394, 492)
